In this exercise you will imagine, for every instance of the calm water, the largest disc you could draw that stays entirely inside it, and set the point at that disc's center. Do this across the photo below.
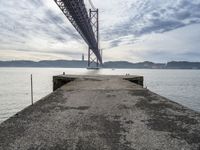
(182, 86)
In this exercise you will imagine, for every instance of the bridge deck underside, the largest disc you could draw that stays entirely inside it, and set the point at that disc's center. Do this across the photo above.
(76, 13)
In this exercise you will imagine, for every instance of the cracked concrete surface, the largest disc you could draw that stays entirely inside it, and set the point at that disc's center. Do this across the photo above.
(102, 113)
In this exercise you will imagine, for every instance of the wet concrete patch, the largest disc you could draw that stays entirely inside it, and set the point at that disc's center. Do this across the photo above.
(81, 107)
(113, 132)
(116, 117)
(141, 92)
(177, 125)
(85, 144)
(129, 122)
(110, 95)
(92, 79)
(126, 106)
(63, 108)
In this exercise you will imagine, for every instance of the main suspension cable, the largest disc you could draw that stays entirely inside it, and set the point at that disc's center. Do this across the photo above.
(92, 5)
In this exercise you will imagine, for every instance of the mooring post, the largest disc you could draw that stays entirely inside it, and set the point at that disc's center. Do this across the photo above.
(31, 89)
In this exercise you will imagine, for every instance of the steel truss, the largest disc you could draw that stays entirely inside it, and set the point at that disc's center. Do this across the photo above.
(86, 25)
(94, 21)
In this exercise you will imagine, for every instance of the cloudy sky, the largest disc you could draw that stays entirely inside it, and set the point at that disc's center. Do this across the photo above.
(132, 30)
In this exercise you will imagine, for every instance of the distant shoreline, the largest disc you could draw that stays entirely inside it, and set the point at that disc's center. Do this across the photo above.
(107, 65)
(103, 68)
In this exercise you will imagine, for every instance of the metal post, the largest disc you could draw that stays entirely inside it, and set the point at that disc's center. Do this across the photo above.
(31, 89)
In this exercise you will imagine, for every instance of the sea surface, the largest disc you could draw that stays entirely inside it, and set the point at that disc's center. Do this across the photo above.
(182, 86)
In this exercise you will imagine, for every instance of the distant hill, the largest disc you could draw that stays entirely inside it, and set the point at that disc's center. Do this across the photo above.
(183, 65)
(125, 64)
(45, 63)
(109, 64)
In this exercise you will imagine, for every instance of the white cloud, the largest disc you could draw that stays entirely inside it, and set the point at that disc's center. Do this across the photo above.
(31, 55)
(131, 30)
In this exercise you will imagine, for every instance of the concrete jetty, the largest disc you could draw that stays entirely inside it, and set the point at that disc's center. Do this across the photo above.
(102, 113)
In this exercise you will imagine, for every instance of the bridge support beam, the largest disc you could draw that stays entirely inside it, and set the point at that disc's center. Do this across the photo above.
(92, 59)
(94, 21)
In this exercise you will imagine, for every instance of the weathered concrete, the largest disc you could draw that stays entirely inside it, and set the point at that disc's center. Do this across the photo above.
(59, 81)
(102, 112)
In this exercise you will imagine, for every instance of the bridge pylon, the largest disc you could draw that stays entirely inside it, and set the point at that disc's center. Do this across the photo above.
(93, 60)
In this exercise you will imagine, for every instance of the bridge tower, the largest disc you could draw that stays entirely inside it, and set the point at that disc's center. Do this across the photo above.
(94, 21)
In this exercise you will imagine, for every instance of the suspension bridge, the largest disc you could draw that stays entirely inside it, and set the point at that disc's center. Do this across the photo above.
(103, 112)
(86, 22)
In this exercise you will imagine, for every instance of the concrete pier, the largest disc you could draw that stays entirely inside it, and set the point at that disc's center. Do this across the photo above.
(102, 113)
